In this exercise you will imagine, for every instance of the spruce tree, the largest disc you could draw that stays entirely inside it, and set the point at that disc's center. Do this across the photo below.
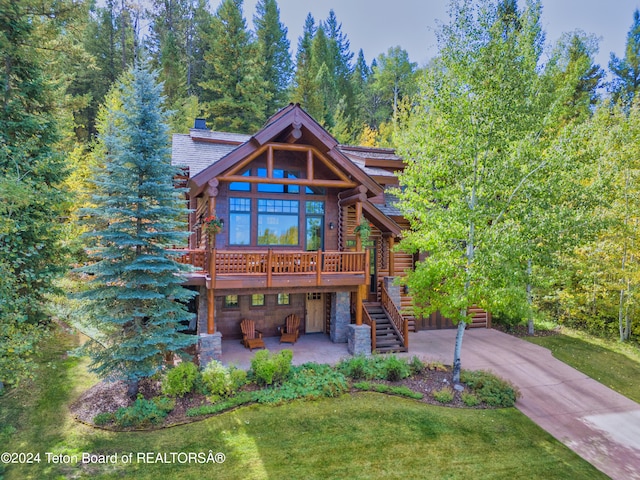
(303, 81)
(626, 71)
(31, 199)
(273, 51)
(135, 290)
(234, 92)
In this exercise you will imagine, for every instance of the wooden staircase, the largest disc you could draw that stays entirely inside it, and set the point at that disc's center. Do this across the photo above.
(479, 318)
(387, 339)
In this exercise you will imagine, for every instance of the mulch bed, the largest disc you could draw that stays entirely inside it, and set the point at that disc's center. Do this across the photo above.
(110, 396)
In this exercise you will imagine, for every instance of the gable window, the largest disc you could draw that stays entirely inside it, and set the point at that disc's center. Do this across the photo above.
(278, 187)
(239, 221)
(278, 222)
(241, 186)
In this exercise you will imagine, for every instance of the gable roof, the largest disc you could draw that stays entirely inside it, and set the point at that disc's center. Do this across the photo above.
(288, 125)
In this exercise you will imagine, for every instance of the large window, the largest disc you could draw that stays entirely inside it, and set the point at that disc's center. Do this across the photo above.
(314, 225)
(278, 222)
(239, 221)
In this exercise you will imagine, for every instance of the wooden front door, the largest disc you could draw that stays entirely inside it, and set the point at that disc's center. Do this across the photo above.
(315, 313)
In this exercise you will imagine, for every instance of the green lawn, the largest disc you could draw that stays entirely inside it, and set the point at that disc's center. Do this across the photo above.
(611, 363)
(361, 436)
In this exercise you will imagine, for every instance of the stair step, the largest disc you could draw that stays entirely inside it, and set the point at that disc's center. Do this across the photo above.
(390, 349)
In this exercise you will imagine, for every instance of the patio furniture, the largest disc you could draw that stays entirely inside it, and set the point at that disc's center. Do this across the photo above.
(290, 329)
(251, 338)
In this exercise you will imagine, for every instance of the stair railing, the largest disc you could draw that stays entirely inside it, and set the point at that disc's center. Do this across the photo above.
(366, 318)
(400, 323)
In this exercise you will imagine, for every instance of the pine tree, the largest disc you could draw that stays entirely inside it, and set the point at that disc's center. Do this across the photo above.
(626, 71)
(234, 92)
(135, 289)
(31, 200)
(273, 48)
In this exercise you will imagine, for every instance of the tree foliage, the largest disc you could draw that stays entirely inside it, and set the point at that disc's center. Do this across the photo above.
(626, 70)
(477, 146)
(138, 215)
(33, 204)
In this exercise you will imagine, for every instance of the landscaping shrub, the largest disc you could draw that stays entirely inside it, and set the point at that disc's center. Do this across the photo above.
(356, 367)
(181, 380)
(396, 369)
(376, 367)
(470, 399)
(144, 413)
(220, 381)
(104, 418)
(383, 388)
(241, 398)
(490, 389)
(270, 368)
(311, 381)
(444, 395)
(416, 365)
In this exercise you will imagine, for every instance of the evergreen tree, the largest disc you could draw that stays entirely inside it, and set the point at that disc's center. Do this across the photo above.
(393, 79)
(626, 71)
(109, 40)
(32, 202)
(573, 74)
(234, 92)
(167, 40)
(137, 217)
(273, 51)
(303, 80)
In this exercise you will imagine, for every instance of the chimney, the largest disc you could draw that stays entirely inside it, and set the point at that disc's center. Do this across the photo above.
(200, 124)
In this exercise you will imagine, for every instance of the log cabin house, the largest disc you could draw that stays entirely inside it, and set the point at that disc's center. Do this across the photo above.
(308, 228)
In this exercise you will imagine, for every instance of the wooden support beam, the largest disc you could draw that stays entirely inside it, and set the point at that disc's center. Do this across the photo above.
(353, 199)
(304, 182)
(310, 164)
(358, 220)
(359, 306)
(392, 257)
(269, 268)
(270, 161)
(354, 191)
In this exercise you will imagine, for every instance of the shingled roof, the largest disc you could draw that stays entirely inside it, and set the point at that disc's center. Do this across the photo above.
(200, 148)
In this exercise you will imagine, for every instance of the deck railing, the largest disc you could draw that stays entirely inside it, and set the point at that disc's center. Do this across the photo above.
(367, 320)
(277, 262)
(400, 323)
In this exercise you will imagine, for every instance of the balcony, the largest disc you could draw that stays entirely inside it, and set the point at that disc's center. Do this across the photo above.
(244, 269)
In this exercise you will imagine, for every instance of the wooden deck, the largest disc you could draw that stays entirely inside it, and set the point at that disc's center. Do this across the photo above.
(244, 269)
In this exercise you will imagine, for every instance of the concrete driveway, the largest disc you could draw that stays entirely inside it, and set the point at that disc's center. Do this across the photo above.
(600, 425)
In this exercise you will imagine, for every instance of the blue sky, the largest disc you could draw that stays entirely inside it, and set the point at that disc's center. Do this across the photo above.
(376, 25)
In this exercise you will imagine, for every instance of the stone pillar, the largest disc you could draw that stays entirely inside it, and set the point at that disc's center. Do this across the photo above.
(210, 347)
(202, 309)
(359, 340)
(394, 291)
(340, 316)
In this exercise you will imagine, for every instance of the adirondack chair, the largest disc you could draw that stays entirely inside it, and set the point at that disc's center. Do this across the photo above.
(251, 338)
(290, 329)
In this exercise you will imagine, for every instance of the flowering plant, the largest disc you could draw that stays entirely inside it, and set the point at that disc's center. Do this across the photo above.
(212, 225)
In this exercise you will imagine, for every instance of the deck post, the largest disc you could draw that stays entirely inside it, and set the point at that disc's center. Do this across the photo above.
(269, 267)
(211, 323)
(319, 268)
(359, 304)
